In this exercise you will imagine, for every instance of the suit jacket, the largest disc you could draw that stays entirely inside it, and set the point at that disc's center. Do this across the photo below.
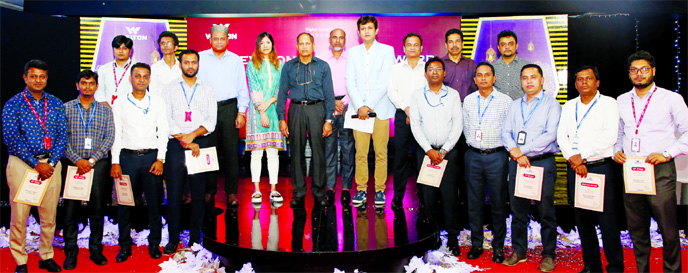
(369, 88)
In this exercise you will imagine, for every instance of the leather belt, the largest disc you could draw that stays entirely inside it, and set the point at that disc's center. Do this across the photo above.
(541, 157)
(597, 162)
(225, 102)
(306, 102)
(141, 152)
(339, 97)
(487, 151)
(41, 156)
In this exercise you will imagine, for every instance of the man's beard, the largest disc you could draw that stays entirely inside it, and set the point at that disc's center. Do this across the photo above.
(650, 81)
(337, 48)
(190, 75)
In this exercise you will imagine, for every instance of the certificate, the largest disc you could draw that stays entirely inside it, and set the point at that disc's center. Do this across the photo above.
(529, 182)
(590, 192)
(360, 125)
(31, 190)
(205, 162)
(431, 175)
(77, 187)
(125, 196)
(639, 176)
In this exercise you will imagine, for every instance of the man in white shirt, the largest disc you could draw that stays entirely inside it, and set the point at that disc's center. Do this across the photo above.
(367, 73)
(405, 78)
(139, 149)
(486, 161)
(436, 124)
(167, 69)
(587, 131)
(191, 115)
(113, 84)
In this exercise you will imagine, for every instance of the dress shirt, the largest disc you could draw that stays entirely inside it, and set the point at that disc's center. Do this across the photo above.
(436, 118)
(367, 76)
(23, 133)
(101, 130)
(509, 76)
(460, 75)
(108, 87)
(403, 81)
(162, 74)
(598, 131)
(492, 110)
(135, 130)
(318, 87)
(541, 129)
(227, 76)
(338, 69)
(666, 113)
(198, 99)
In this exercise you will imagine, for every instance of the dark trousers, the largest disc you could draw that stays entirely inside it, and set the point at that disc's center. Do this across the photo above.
(586, 220)
(521, 206)
(446, 193)
(138, 170)
(176, 177)
(306, 121)
(487, 171)
(100, 191)
(226, 139)
(403, 141)
(461, 147)
(662, 207)
(346, 143)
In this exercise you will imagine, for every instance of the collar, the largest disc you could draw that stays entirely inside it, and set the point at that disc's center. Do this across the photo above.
(128, 62)
(540, 95)
(443, 90)
(597, 94)
(492, 94)
(298, 60)
(331, 55)
(30, 96)
(181, 80)
(78, 101)
(446, 57)
(420, 63)
(372, 49)
(131, 95)
(635, 94)
(516, 60)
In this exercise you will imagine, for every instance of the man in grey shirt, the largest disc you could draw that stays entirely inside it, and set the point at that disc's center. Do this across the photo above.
(508, 66)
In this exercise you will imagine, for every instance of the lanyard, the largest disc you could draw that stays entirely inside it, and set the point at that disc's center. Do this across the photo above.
(480, 121)
(531, 111)
(188, 101)
(81, 114)
(426, 98)
(45, 112)
(586, 113)
(115, 73)
(145, 111)
(637, 122)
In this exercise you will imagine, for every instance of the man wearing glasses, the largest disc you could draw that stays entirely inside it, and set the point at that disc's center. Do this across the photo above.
(650, 134)
(167, 69)
(436, 123)
(509, 65)
(307, 81)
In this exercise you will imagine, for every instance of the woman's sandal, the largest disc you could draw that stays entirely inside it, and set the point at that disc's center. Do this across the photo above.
(275, 196)
(257, 197)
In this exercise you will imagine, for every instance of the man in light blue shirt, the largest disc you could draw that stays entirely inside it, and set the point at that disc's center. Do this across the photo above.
(529, 134)
(367, 71)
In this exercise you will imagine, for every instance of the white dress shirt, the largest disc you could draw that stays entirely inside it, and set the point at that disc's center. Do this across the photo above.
(598, 131)
(162, 74)
(436, 119)
(403, 81)
(182, 99)
(487, 115)
(136, 130)
(108, 87)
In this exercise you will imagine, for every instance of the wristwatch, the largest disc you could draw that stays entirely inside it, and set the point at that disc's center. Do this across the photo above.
(329, 121)
(666, 155)
(52, 164)
(92, 161)
(443, 151)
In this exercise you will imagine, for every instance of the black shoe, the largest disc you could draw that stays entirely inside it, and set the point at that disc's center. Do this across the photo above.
(329, 196)
(123, 255)
(49, 265)
(475, 253)
(169, 249)
(21, 269)
(69, 263)
(498, 255)
(98, 259)
(155, 252)
(455, 249)
(297, 203)
(398, 202)
(321, 202)
(346, 198)
(589, 270)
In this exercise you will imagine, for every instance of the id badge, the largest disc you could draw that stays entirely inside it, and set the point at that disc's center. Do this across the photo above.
(521, 140)
(478, 135)
(574, 143)
(635, 145)
(87, 143)
(47, 143)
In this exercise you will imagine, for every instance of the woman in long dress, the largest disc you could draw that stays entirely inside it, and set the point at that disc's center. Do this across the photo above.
(262, 132)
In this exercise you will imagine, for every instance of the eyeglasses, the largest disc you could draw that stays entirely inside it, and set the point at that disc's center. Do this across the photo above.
(435, 69)
(308, 68)
(644, 70)
(166, 43)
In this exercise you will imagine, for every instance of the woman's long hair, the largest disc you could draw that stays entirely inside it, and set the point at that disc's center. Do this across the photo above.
(257, 56)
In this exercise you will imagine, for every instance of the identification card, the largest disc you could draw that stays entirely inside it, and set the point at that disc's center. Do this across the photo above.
(478, 135)
(574, 143)
(114, 97)
(521, 138)
(187, 116)
(47, 143)
(87, 143)
(635, 145)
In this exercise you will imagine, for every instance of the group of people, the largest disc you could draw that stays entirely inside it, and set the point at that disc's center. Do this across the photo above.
(200, 99)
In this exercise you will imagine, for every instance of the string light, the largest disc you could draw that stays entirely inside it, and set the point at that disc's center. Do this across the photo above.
(677, 28)
(637, 36)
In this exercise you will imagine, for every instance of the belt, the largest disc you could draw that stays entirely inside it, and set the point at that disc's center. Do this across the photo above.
(306, 102)
(598, 162)
(225, 102)
(541, 157)
(139, 152)
(486, 151)
(46, 155)
(339, 97)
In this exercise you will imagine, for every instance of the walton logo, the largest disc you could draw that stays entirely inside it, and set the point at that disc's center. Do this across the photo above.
(230, 36)
(134, 34)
